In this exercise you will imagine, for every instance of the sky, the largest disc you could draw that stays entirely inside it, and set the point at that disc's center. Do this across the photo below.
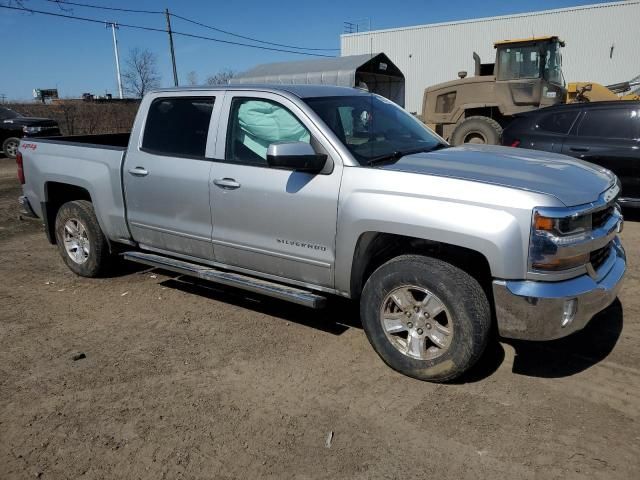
(77, 57)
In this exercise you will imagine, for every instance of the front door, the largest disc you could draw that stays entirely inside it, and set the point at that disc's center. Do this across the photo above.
(610, 137)
(274, 221)
(166, 176)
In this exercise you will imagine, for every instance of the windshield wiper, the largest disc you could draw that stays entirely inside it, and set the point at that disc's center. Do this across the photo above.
(398, 154)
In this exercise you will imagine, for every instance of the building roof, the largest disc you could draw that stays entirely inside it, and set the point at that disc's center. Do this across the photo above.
(326, 71)
(316, 65)
(499, 17)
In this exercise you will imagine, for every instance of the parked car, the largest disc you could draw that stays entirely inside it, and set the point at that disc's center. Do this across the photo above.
(604, 133)
(14, 126)
(300, 192)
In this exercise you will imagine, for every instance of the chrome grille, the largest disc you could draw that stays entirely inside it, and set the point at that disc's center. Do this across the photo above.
(600, 217)
(599, 256)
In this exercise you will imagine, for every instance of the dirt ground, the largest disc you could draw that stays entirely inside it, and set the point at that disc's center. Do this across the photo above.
(185, 380)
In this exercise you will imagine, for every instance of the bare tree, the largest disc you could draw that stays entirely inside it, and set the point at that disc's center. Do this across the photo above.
(192, 78)
(221, 78)
(141, 72)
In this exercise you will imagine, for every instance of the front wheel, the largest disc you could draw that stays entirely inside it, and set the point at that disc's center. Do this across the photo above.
(425, 318)
(80, 240)
(10, 147)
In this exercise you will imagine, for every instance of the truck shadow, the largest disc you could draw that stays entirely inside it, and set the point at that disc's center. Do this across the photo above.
(553, 359)
(572, 354)
(339, 316)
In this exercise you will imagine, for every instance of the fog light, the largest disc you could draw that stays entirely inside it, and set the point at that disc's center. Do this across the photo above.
(570, 309)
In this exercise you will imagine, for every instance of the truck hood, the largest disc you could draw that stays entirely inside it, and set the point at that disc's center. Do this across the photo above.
(571, 181)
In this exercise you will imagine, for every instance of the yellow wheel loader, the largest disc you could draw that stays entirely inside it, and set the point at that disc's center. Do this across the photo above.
(526, 75)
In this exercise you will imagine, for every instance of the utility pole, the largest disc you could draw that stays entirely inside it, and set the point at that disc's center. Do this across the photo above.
(173, 54)
(115, 48)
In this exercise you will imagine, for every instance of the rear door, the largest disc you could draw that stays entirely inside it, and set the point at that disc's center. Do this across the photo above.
(273, 221)
(166, 174)
(610, 136)
(551, 129)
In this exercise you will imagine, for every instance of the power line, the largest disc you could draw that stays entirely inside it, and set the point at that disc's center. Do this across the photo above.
(100, 7)
(245, 37)
(65, 2)
(152, 29)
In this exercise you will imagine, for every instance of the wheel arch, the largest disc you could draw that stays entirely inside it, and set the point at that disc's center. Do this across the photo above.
(373, 249)
(57, 194)
(490, 111)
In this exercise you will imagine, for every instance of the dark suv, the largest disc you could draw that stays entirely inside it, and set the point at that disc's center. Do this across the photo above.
(604, 133)
(14, 126)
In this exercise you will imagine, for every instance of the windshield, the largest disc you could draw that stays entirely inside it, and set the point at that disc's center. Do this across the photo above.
(6, 114)
(373, 127)
(553, 64)
(519, 62)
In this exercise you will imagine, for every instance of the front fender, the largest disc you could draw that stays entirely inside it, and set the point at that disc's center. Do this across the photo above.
(491, 220)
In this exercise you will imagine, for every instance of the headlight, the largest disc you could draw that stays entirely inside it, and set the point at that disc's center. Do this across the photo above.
(548, 237)
(562, 227)
(29, 130)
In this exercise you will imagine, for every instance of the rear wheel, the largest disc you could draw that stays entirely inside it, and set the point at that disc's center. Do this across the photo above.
(80, 240)
(478, 130)
(425, 318)
(10, 147)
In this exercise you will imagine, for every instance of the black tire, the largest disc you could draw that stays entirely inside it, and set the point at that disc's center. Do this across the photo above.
(477, 130)
(10, 147)
(98, 258)
(461, 295)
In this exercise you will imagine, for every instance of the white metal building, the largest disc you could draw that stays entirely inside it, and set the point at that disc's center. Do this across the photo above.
(602, 44)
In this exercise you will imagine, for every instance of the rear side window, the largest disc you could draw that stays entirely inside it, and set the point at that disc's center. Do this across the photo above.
(621, 123)
(178, 126)
(559, 122)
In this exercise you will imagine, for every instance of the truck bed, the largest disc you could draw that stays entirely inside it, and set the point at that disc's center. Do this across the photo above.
(90, 162)
(116, 141)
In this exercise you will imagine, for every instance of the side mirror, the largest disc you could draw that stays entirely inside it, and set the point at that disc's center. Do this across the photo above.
(298, 156)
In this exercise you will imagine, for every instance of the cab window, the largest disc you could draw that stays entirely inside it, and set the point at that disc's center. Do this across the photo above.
(254, 124)
(178, 126)
(519, 62)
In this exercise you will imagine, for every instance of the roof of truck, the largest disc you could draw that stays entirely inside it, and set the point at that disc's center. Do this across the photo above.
(581, 105)
(529, 39)
(301, 91)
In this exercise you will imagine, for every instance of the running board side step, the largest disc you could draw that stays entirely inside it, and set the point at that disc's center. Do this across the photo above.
(251, 284)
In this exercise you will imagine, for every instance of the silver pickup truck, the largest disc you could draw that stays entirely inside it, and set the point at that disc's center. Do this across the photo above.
(301, 192)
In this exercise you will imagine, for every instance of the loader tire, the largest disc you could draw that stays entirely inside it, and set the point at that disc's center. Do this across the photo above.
(478, 130)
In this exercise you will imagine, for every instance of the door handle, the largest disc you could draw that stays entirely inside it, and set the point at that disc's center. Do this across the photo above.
(579, 149)
(139, 171)
(226, 183)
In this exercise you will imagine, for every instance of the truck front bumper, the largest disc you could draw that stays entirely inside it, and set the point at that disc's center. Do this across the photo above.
(533, 310)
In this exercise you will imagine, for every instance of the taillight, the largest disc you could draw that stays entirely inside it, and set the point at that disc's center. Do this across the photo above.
(515, 143)
(20, 168)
